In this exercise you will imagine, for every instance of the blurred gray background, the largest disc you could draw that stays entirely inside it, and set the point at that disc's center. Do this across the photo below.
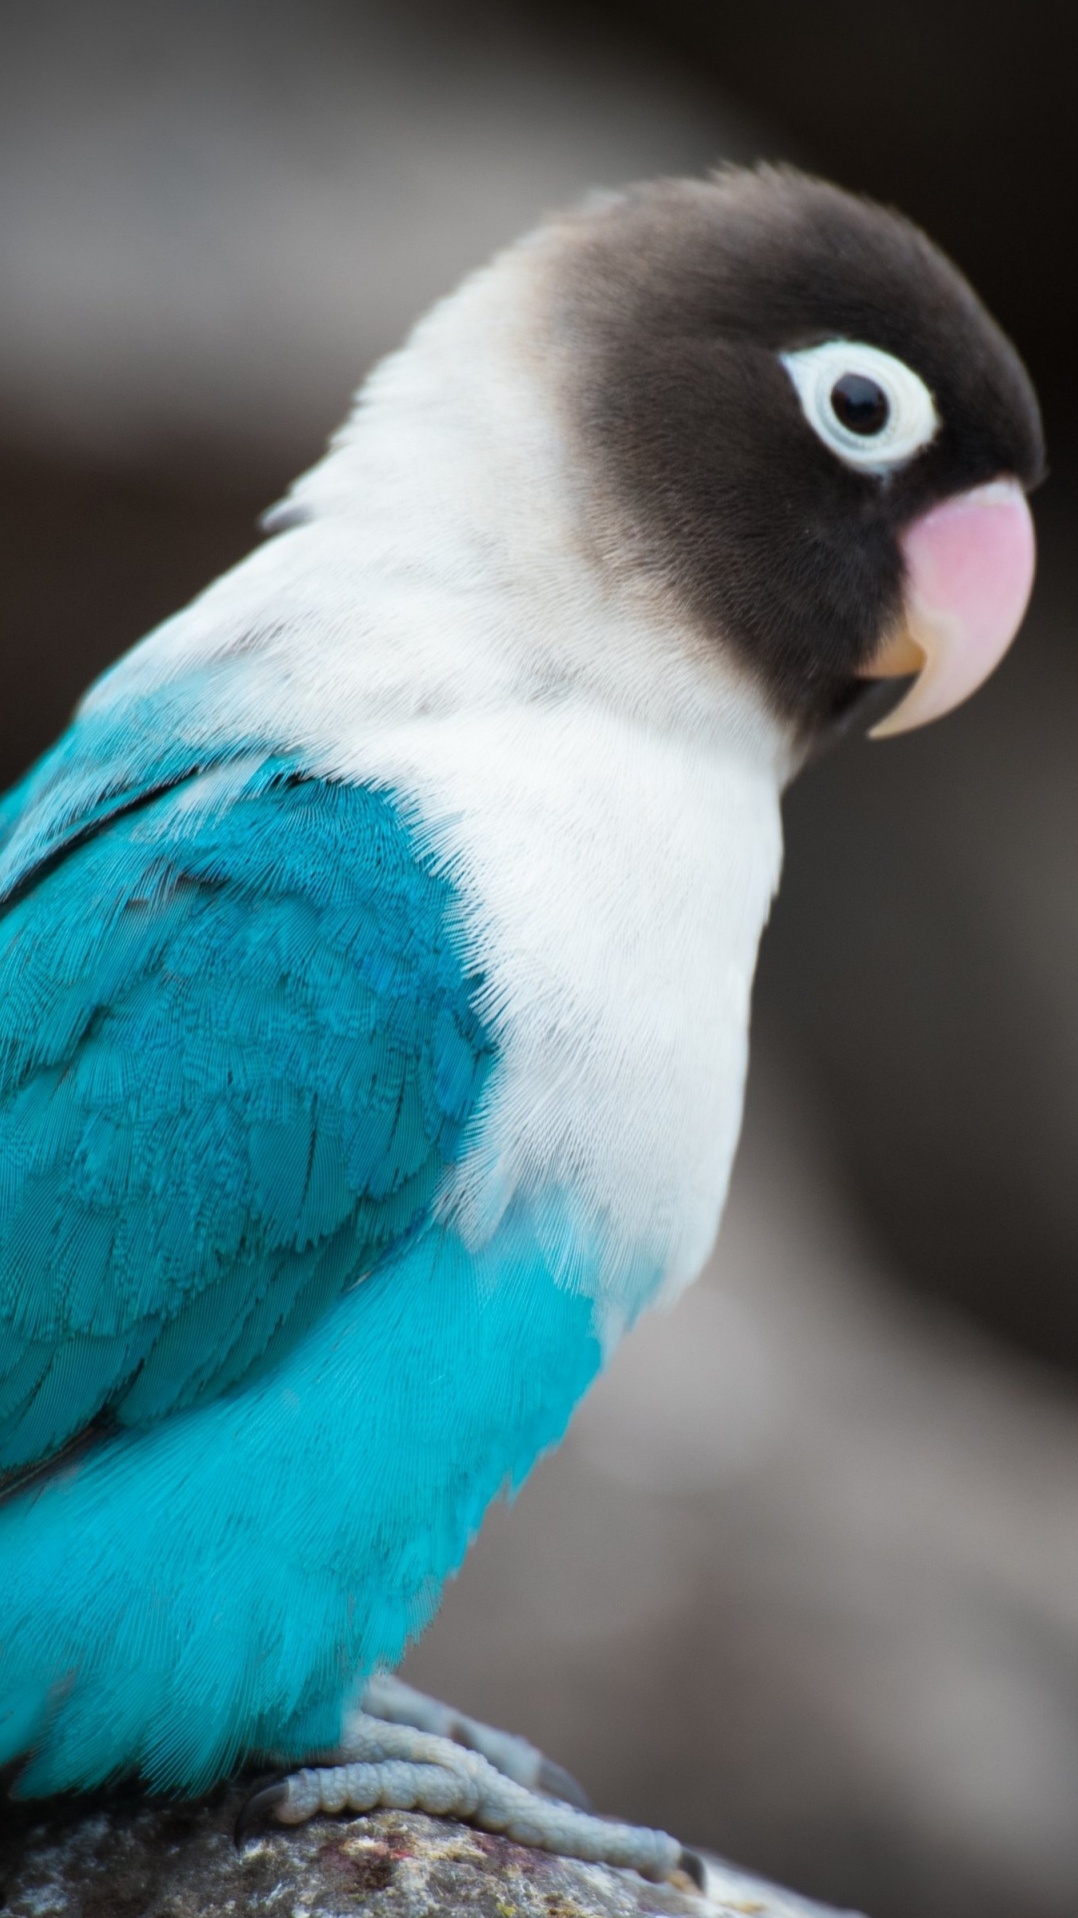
(803, 1582)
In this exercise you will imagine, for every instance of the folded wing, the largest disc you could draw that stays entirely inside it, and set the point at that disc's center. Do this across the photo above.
(238, 1049)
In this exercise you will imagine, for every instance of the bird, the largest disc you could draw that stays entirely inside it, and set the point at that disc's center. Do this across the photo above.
(376, 951)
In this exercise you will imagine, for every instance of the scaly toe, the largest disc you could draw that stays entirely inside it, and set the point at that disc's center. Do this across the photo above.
(393, 1765)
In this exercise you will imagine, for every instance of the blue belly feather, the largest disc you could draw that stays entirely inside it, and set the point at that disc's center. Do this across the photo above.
(215, 1586)
(240, 1046)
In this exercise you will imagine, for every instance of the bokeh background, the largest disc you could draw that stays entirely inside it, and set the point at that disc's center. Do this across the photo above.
(803, 1582)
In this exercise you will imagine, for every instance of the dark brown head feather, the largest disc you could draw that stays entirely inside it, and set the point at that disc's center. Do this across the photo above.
(676, 299)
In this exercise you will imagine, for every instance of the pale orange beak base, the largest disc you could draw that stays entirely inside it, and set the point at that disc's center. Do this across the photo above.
(969, 575)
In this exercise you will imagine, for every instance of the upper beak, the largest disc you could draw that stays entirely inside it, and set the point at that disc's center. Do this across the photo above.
(969, 568)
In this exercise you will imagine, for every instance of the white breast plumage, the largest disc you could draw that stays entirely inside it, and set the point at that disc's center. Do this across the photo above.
(616, 886)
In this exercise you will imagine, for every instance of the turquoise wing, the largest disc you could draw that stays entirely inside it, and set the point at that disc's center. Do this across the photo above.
(238, 1049)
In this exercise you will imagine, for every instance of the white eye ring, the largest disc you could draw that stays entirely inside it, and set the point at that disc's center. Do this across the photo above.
(911, 421)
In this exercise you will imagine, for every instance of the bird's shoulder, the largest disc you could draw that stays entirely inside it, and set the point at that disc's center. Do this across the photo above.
(238, 1047)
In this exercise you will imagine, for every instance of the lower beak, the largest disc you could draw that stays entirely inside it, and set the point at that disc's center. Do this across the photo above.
(969, 567)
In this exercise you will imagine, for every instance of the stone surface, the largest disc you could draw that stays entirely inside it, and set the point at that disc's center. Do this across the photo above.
(144, 1860)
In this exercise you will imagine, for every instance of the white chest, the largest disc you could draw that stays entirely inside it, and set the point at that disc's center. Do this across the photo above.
(615, 885)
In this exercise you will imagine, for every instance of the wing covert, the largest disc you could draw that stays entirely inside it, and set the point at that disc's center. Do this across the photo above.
(238, 1048)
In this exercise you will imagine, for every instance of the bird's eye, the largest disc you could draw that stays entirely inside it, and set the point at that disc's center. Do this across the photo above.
(872, 410)
(860, 404)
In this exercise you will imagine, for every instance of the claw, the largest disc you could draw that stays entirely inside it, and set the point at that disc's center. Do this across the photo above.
(691, 1863)
(260, 1802)
(556, 1782)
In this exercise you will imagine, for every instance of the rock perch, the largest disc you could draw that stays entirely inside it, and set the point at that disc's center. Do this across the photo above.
(134, 1859)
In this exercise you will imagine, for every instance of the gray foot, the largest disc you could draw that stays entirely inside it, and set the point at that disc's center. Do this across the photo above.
(390, 1698)
(397, 1765)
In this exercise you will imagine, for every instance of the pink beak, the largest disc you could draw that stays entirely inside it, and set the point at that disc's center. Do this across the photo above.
(969, 575)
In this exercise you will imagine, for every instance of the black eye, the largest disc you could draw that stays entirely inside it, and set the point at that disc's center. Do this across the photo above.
(860, 404)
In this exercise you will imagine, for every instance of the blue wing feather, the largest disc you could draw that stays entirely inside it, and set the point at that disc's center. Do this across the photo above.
(237, 1052)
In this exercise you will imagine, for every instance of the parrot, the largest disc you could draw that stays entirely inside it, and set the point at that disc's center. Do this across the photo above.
(376, 954)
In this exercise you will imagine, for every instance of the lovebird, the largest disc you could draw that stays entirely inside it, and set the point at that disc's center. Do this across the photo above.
(376, 949)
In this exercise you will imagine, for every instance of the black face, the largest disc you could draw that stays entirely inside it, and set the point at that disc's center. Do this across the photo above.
(678, 300)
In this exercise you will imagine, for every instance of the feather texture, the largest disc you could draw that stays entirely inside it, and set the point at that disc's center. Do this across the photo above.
(237, 1052)
(241, 1565)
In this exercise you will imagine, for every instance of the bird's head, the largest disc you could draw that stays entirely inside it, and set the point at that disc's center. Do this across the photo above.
(799, 419)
